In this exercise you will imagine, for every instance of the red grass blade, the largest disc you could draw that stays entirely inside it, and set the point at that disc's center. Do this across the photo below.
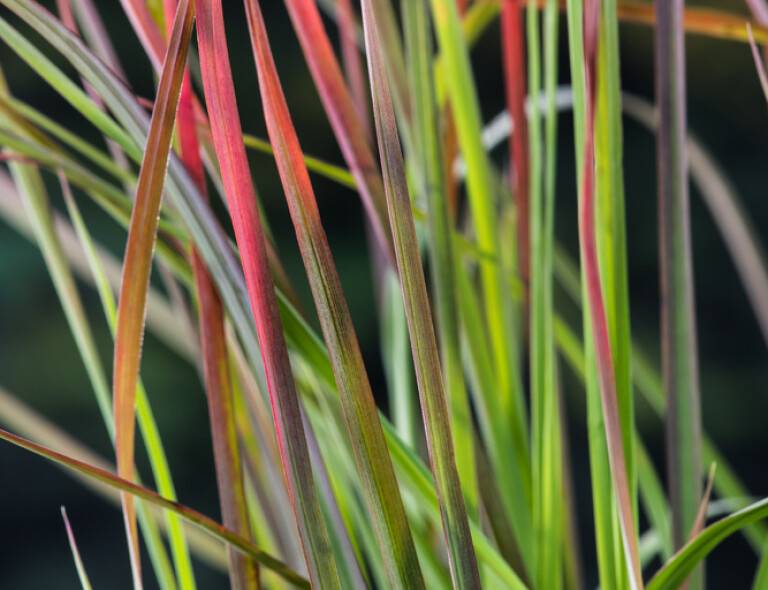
(513, 39)
(347, 125)
(370, 450)
(138, 264)
(230, 151)
(244, 572)
(145, 27)
(604, 356)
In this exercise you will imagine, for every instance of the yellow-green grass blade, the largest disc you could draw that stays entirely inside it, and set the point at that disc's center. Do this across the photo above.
(366, 437)
(31, 186)
(431, 189)
(65, 136)
(546, 445)
(462, 560)
(150, 433)
(194, 517)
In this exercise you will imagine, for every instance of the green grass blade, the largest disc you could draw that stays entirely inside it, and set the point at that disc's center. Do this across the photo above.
(366, 437)
(545, 412)
(691, 555)
(443, 258)
(678, 328)
(588, 237)
(85, 582)
(605, 523)
(148, 426)
(207, 524)
(462, 559)
(610, 211)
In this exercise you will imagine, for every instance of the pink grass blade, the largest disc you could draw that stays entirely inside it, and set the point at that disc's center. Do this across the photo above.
(367, 438)
(190, 515)
(238, 185)
(138, 263)
(348, 127)
(85, 582)
(513, 40)
(759, 64)
(463, 563)
(146, 29)
(598, 315)
(244, 572)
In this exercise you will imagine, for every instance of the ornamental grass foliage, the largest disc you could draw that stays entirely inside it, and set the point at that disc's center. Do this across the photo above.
(445, 461)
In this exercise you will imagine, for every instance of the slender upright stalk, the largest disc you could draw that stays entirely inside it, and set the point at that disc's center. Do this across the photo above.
(678, 327)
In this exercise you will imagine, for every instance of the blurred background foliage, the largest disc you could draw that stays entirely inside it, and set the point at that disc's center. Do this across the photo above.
(39, 363)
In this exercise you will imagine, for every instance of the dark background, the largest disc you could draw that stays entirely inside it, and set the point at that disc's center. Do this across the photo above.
(40, 364)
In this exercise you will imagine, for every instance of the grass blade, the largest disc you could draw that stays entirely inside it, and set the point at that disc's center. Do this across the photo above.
(443, 258)
(85, 582)
(194, 517)
(759, 65)
(244, 573)
(498, 322)
(689, 557)
(513, 39)
(598, 315)
(679, 354)
(367, 440)
(348, 127)
(138, 262)
(227, 137)
(424, 348)
(546, 445)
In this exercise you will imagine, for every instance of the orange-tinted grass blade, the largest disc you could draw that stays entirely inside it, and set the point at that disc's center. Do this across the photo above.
(461, 554)
(138, 263)
(759, 64)
(348, 127)
(512, 38)
(603, 352)
(229, 472)
(708, 22)
(194, 517)
(367, 438)
(230, 151)
(701, 515)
